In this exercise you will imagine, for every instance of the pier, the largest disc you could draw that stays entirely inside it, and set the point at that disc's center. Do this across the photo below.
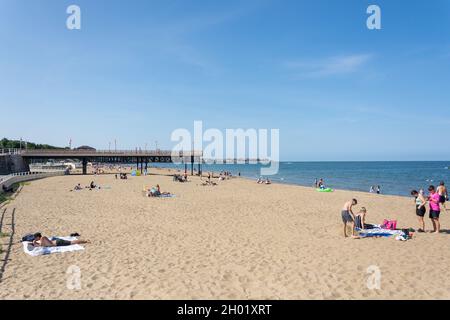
(140, 157)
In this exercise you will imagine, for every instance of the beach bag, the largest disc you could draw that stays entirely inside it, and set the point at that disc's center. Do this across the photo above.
(389, 224)
(28, 238)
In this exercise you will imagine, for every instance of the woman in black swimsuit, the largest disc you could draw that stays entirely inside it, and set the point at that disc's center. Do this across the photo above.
(421, 210)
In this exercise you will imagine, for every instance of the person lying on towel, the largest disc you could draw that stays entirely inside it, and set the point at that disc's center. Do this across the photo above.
(40, 241)
(156, 192)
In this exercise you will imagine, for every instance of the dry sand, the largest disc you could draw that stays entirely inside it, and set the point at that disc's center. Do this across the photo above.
(238, 240)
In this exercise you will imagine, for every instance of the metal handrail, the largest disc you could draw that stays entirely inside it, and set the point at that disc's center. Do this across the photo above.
(10, 151)
(13, 151)
(111, 152)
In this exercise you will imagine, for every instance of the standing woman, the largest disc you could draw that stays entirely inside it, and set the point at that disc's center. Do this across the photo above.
(435, 209)
(421, 210)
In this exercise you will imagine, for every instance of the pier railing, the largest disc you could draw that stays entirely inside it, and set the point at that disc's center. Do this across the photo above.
(10, 151)
(99, 153)
(107, 153)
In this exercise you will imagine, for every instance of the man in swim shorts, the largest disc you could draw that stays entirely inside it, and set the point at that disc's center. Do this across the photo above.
(348, 217)
(443, 194)
(435, 209)
(40, 241)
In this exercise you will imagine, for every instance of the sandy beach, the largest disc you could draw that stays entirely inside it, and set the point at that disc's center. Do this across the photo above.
(237, 240)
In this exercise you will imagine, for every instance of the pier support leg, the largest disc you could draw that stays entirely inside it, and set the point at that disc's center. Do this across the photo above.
(84, 161)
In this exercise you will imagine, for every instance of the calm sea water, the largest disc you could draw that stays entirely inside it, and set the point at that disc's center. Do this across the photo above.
(395, 178)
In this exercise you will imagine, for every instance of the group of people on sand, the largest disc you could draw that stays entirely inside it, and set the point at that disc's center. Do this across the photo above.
(263, 181)
(226, 174)
(91, 186)
(354, 220)
(436, 200)
(180, 177)
(209, 181)
(123, 176)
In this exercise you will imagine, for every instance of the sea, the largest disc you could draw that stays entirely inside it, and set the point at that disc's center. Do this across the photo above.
(394, 178)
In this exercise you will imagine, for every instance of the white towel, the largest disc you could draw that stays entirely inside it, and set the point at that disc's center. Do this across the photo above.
(33, 251)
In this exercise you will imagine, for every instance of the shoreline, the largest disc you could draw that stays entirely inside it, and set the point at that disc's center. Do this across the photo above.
(279, 182)
(345, 178)
(334, 190)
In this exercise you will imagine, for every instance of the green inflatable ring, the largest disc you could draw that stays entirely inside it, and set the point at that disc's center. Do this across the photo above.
(325, 190)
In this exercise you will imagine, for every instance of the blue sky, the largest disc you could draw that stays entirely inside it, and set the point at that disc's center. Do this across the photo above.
(137, 70)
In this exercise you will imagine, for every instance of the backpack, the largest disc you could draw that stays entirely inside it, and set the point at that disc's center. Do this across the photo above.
(389, 224)
(28, 238)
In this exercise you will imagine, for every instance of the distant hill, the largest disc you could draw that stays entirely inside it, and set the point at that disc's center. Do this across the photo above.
(15, 144)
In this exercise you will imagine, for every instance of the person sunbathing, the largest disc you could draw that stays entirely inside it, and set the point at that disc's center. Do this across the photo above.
(156, 192)
(209, 183)
(78, 187)
(40, 241)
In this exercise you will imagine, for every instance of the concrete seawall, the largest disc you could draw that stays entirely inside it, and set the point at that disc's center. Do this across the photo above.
(8, 181)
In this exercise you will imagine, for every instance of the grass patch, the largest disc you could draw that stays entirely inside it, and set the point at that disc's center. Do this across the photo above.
(7, 196)
(4, 198)
(3, 235)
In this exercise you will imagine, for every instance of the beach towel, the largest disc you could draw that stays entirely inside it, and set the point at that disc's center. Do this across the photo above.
(165, 196)
(377, 231)
(33, 251)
